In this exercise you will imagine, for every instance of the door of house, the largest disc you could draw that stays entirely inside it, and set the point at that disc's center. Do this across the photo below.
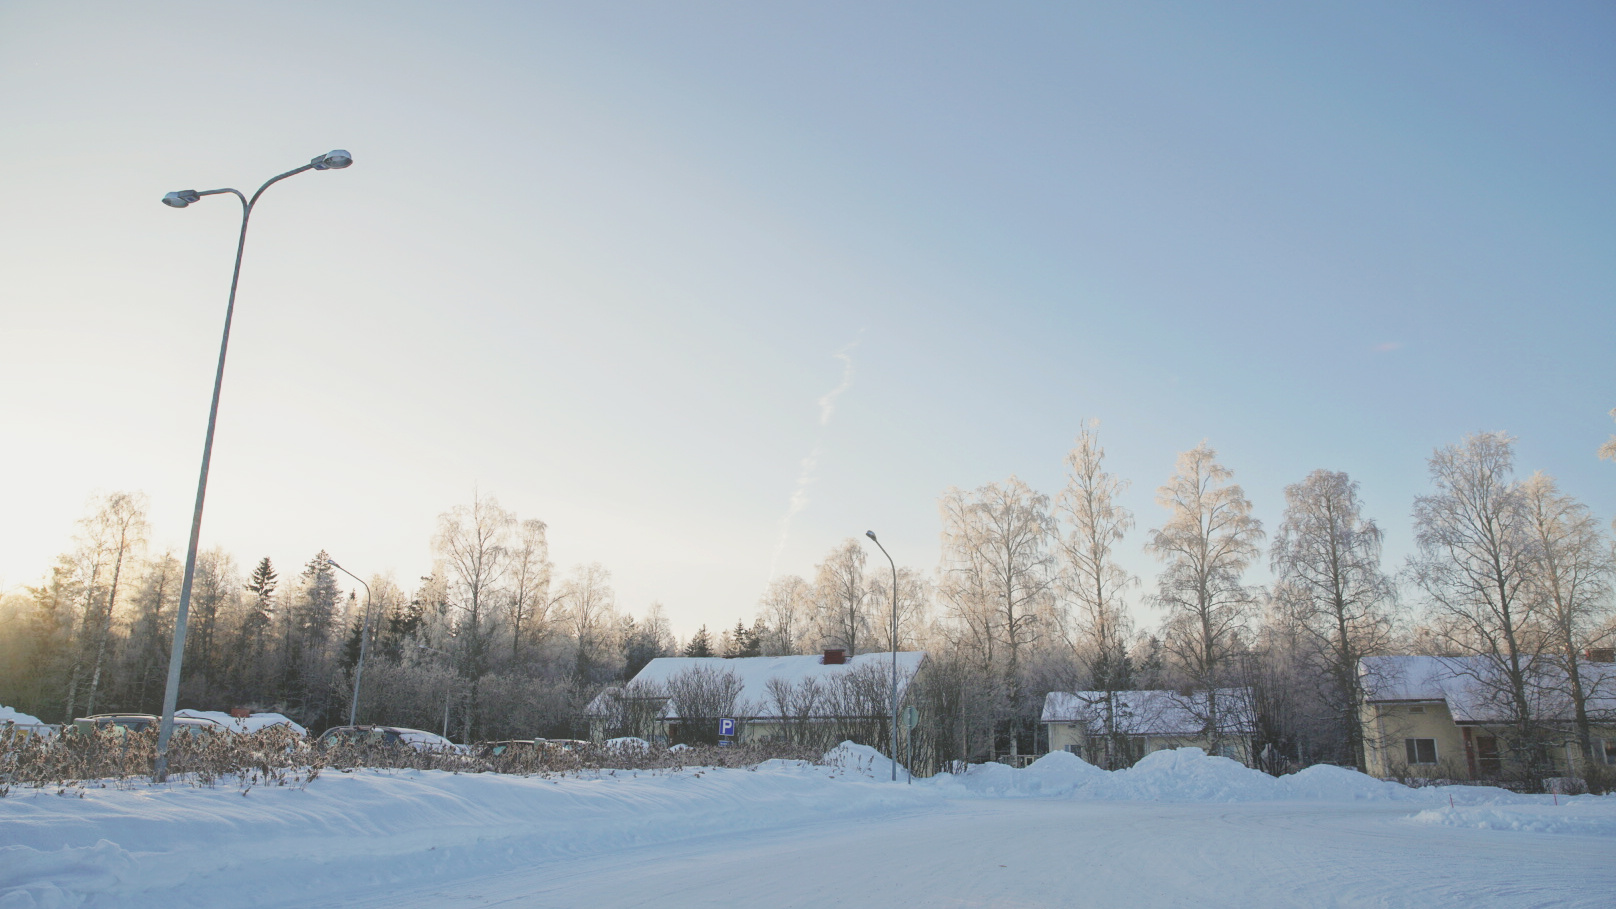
(1487, 759)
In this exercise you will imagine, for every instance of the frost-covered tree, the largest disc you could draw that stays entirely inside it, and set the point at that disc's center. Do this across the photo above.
(110, 540)
(1474, 564)
(843, 599)
(213, 598)
(914, 602)
(591, 614)
(530, 600)
(151, 633)
(1571, 582)
(787, 610)
(1326, 563)
(1092, 579)
(999, 576)
(1206, 544)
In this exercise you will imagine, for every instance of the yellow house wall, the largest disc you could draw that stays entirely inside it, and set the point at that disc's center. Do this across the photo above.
(1387, 726)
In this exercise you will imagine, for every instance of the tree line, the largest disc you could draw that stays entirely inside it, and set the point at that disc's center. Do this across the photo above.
(1029, 595)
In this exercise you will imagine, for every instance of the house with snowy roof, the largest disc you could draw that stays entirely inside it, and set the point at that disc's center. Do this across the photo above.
(1114, 729)
(1455, 717)
(817, 699)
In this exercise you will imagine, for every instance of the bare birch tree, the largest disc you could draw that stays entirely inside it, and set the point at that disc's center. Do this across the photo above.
(530, 600)
(1091, 577)
(1571, 580)
(843, 598)
(1474, 564)
(787, 610)
(997, 564)
(113, 536)
(1208, 541)
(474, 545)
(914, 602)
(591, 613)
(1326, 561)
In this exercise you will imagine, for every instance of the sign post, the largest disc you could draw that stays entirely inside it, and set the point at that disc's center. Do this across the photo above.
(726, 731)
(911, 719)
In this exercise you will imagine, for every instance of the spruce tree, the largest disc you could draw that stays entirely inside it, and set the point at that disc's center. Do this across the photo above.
(701, 645)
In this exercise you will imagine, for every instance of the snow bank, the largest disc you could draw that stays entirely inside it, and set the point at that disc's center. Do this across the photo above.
(1191, 775)
(347, 832)
(8, 715)
(1585, 815)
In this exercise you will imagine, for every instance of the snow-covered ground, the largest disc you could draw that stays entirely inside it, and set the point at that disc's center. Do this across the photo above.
(1179, 829)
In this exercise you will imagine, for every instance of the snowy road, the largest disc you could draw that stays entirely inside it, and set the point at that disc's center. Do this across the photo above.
(1034, 852)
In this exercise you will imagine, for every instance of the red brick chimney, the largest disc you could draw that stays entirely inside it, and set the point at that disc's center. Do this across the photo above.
(834, 657)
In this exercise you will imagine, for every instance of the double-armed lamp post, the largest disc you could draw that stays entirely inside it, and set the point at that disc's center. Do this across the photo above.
(871, 535)
(334, 160)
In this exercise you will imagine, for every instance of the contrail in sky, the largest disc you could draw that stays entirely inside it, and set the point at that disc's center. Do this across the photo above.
(805, 475)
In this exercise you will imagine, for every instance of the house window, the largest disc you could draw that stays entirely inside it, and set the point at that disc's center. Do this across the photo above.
(1416, 710)
(1421, 751)
(1606, 750)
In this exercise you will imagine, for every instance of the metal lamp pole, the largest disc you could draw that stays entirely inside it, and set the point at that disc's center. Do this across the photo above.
(364, 642)
(334, 160)
(871, 535)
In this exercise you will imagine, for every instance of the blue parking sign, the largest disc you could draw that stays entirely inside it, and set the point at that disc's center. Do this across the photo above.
(726, 726)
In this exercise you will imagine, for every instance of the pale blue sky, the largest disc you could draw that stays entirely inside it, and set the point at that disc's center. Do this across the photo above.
(598, 261)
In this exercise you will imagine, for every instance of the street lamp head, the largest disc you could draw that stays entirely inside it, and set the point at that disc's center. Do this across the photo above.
(336, 159)
(182, 198)
(871, 535)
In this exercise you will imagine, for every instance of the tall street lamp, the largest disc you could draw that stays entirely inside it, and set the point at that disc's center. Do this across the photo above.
(364, 641)
(871, 535)
(333, 160)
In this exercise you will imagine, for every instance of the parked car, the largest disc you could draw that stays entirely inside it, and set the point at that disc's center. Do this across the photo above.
(512, 747)
(125, 723)
(418, 739)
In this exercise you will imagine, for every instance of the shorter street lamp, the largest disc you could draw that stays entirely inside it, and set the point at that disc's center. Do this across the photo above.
(871, 535)
(448, 689)
(364, 641)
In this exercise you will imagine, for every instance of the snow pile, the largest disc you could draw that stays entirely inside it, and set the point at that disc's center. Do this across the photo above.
(244, 725)
(1585, 815)
(858, 762)
(9, 715)
(1179, 775)
(627, 743)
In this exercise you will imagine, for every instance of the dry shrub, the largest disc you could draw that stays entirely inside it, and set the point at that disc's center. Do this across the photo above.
(280, 757)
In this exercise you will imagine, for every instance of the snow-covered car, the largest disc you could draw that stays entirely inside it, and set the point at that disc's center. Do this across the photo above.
(418, 739)
(511, 747)
(125, 723)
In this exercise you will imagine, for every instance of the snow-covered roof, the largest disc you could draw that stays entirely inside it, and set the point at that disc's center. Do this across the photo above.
(246, 724)
(1152, 712)
(1473, 690)
(754, 673)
